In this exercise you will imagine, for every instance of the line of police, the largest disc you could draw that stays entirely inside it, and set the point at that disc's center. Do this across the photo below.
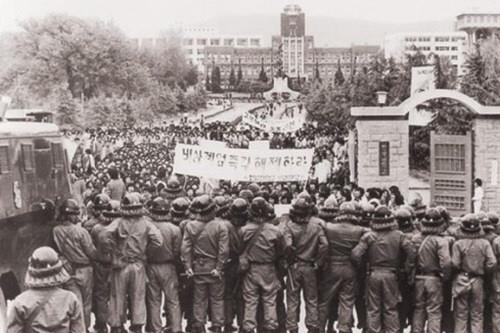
(227, 260)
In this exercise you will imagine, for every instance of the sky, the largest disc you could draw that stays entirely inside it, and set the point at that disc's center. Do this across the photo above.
(145, 18)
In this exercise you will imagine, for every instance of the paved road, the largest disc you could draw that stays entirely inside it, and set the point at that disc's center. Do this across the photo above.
(238, 110)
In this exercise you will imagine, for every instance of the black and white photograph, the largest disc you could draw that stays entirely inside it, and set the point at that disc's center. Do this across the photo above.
(249, 166)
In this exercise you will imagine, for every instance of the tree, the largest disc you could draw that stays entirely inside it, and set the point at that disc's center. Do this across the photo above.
(216, 80)
(262, 74)
(482, 71)
(317, 76)
(330, 106)
(240, 73)
(66, 110)
(191, 76)
(339, 76)
(86, 56)
(208, 85)
(232, 78)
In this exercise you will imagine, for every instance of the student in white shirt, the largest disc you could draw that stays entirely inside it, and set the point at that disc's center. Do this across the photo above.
(477, 200)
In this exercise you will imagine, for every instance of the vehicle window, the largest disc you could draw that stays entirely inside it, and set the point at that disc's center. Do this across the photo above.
(4, 160)
(41, 144)
(57, 155)
(28, 163)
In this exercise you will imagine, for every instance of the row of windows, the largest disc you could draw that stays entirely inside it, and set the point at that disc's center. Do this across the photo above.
(428, 48)
(28, 159)
(225, 41)
(483, 19)
(436, 39)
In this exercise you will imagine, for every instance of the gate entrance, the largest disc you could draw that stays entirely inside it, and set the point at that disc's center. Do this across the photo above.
(451, 172)
(382, 152)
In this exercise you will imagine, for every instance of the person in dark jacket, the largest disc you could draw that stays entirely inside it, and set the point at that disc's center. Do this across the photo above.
(162, 272)
(129, 236)
(75, 245)
(384, 246)
(432, 267)
(205, 250)
(259, 263)
(472, 258)
(305, 237)
(338, 279)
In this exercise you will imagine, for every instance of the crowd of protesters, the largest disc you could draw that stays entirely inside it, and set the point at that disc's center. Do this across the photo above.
(143, 158)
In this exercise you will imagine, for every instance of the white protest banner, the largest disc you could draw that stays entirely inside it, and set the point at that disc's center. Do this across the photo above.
(212, 143)
(273, 125)
(422, 79)
(243, 164)
(258, 144)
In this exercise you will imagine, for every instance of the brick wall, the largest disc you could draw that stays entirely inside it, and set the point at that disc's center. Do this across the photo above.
(370, 133)
(486, 151)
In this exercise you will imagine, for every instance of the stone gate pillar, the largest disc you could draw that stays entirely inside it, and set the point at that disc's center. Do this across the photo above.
(382, 151)
(486, 155)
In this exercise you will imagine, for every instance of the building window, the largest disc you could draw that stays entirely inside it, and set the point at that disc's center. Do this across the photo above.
(28, 160)
(228, 42)
(57, 155)
(214, 42)
(442, 39)
(188, 41)
(454, 57)
(254, 42)
(201, 41)
(4, 160)
(189, 51)
(242, 42)
(442, 48)
(454, 48)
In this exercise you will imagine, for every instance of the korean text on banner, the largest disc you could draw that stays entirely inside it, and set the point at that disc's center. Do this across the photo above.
(243, 164)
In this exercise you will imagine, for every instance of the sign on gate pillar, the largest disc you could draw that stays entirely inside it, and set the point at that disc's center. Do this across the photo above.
(382, 147)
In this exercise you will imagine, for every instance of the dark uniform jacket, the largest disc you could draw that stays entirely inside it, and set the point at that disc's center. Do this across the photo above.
(342, 238)
(473, 256)
(103, 253)
(384, 249)
(170, 250)
(130, 237)
(307, 240)
(432, 255)
(268, 248)
(205, 240)
(74, 243)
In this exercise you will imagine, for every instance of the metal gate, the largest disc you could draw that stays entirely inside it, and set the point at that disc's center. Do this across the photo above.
(451, 172)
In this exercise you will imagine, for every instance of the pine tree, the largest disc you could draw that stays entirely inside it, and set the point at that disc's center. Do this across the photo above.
(317, 76)
(339, 76)
(208, 85)
(262, 74)
(216, 79)
(232, 78)
(474, 82)
(240, 73)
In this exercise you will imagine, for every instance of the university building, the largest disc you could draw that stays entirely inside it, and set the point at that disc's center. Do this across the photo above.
(293, 49)
(448, 45)
(470, 28)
